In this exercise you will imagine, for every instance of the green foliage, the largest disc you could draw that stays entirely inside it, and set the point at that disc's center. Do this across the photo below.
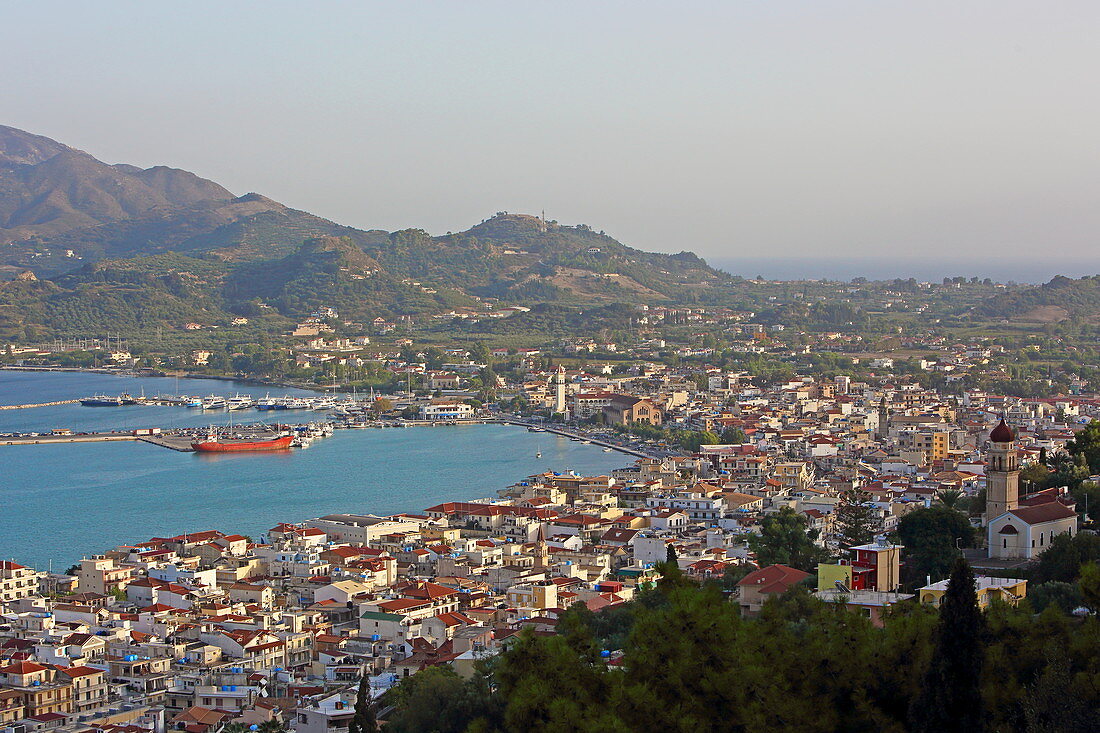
(856, 520)
(436, 700)
(784, 539)
(1086, 443)
(1063, 596)
(691, 663)
(950, 697)
(932, 538)
(1063, 558)
(1090, 586)
(363, 720)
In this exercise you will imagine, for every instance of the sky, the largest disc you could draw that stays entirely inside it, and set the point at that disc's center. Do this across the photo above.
(899, 133)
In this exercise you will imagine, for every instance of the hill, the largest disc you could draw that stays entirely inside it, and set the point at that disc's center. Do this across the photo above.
(116, 246)
(1057, 300)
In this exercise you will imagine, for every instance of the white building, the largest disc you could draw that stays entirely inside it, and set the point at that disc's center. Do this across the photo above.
(446, 411)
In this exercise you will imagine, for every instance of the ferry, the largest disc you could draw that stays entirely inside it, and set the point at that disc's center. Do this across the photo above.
(195, 402)
(267, 403)
(101, 400)
(239, 402)
(214, 402)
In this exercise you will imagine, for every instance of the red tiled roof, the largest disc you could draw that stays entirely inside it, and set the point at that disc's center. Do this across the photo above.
(773, 579)
(1049, 512)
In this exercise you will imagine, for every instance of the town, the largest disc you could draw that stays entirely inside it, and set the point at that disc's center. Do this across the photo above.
(863, 492)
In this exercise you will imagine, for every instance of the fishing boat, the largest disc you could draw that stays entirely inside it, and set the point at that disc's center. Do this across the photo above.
(216, 444)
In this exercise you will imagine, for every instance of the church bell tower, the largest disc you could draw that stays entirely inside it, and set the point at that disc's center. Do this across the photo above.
(1002, 472)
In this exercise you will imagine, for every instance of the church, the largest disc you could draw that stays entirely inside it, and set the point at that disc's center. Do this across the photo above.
(1019, 529)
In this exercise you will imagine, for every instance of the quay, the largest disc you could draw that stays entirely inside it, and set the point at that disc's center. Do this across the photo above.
(71, 438)
(577, 436)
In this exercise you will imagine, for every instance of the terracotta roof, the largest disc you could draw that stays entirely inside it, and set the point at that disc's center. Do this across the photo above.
(773, 579)
(1049, 512)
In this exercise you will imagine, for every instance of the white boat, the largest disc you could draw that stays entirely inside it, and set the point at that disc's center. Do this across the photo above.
(213, 402)
(267, 403)
(240, 402)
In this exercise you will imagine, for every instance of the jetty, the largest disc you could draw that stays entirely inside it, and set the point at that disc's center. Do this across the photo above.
(38, 404)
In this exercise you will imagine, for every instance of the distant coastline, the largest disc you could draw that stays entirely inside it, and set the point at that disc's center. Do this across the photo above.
(931, 269)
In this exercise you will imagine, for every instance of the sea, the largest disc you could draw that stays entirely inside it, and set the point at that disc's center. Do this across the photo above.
(61, 502)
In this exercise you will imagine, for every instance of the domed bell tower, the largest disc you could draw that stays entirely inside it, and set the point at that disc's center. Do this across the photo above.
(1002, 472)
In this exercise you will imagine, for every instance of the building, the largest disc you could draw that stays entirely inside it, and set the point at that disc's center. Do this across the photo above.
(1024, 532)
(876, 566)
(1009, 590)
(558, 383)
(626, 409)
(1002, 472)
(756, 587)
(446, 411)
(16, 582)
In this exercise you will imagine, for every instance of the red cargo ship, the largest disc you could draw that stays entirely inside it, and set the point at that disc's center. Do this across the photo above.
(233, 446)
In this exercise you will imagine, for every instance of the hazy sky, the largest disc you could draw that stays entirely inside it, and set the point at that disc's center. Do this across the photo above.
(916, 129)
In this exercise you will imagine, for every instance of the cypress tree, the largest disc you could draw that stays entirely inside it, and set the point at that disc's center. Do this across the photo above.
(363, 721)
(950, 697)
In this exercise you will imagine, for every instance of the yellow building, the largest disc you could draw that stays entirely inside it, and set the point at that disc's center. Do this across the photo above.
(1008, 590)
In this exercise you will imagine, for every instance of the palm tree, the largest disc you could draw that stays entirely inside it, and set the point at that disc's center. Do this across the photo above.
(949, 497)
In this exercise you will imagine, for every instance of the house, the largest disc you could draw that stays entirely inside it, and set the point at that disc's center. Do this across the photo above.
(756, 587)
(1008, 590)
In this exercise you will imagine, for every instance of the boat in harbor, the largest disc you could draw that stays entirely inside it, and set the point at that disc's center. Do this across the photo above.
(214, 402)
(101, 400)
(239, 402)
(267, 403)
(216, 444)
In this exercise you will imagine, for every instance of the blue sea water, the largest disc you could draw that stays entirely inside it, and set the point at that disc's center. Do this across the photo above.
(61, 502)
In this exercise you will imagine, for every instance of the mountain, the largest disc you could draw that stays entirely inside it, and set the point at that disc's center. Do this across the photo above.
(116, 246)
(60, 206)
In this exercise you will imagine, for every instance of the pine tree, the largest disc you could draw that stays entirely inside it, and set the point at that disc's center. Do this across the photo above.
(363, 721)
(950, 698)
(856, 523)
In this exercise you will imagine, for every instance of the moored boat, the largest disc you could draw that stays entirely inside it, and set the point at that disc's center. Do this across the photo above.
(101, 400)
(223, 445)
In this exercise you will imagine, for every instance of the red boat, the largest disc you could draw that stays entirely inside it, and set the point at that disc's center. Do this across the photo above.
(234, 446)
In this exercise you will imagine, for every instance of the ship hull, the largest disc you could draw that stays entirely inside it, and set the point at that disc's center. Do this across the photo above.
(240, 446)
